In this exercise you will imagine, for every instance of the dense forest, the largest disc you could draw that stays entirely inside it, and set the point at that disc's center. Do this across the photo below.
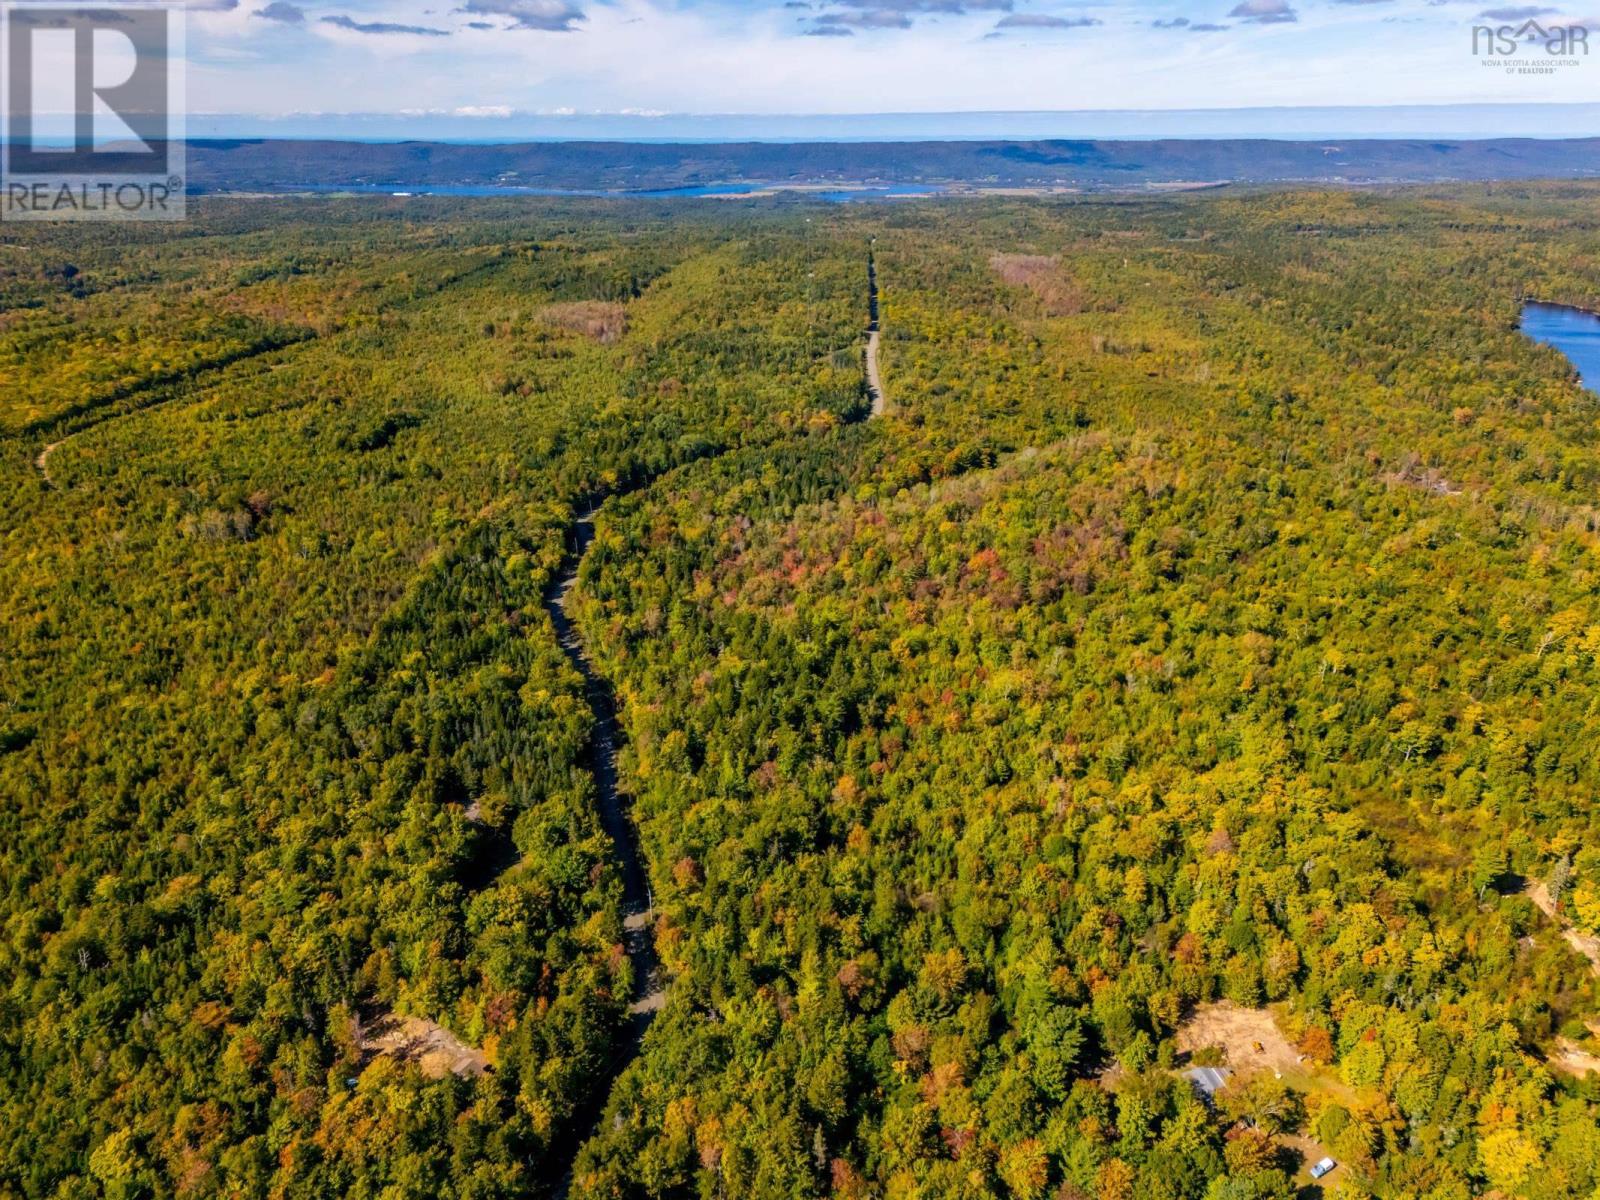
(1205, 633)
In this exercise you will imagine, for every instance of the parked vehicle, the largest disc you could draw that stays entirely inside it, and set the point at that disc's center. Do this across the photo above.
(1323, 1168)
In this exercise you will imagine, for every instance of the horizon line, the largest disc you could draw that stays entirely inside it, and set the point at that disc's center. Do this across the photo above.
(654, 115)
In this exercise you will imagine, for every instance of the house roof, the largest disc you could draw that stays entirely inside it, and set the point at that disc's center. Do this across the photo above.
(1206, 1080)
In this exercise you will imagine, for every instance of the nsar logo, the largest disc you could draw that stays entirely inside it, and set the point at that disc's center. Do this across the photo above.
(1531, 48)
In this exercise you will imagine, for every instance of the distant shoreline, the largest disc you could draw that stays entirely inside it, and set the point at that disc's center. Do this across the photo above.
(605, 168)
(836, 192)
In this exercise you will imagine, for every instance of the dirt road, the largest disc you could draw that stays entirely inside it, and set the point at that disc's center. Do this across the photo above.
(1583, 943)
(874, 340)
(43, 462)
(616, 817)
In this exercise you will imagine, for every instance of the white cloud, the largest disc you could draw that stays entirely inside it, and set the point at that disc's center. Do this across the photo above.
(684, 57)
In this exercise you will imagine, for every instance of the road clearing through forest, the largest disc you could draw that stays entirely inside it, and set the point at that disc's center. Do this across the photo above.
(874, 383)
(1583, 943)
(648, 991)
(91, 414)
(43, 462)
(874, 339)
(1567, 1056)
(616, 817)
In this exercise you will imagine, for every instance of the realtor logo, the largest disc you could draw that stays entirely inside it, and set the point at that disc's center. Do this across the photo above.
(1530, 48)
(92, 113)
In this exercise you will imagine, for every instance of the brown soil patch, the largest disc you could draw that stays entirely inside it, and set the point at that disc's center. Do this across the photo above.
(1413, 474)
(1239, 1031)
(598, 320)
(1570, 1059)
(435, 1050)
(1042, 276)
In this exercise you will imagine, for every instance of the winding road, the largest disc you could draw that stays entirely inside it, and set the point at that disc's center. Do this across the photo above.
(649, 983)
(43, 462)
(649, 990)
(648, 993)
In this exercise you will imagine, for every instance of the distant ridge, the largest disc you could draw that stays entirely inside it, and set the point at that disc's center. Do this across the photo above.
(271, 165)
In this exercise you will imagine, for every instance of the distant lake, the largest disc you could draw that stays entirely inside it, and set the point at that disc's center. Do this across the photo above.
(842, 195)
(1570, 330)
(846, 195)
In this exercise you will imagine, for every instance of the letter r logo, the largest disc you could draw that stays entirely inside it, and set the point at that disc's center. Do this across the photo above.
(87, 90)
(92, 110)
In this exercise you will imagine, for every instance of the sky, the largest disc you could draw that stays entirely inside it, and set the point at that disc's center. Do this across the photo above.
(493, 65)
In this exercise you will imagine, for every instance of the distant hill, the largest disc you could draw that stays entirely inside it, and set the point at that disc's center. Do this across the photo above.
(1095, 165)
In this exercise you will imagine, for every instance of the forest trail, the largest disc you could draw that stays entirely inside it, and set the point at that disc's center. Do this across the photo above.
(1567, 1056)
(1584, 944)
(638, 916)
(82, 417)
(43, 461)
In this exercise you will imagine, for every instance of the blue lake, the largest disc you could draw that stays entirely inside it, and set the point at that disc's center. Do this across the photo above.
(846, 195)
(1570, 330)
